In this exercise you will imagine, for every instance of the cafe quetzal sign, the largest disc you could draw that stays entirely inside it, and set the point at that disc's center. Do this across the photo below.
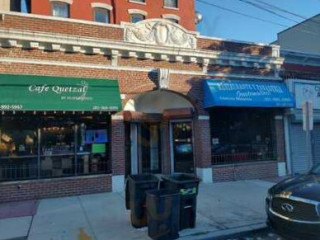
(44, 93)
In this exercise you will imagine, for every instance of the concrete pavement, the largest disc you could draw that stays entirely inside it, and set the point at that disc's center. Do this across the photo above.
(223, 208)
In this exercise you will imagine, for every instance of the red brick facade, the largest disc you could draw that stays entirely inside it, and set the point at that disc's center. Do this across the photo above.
(245, 171)
(82, 9)
(37, 189)
(135, 75)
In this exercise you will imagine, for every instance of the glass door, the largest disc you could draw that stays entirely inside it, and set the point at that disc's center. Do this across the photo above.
(144, 148)
(182, 147)
(149, 148)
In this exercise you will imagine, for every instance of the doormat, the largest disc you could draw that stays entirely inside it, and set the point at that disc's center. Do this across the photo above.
(18, 209)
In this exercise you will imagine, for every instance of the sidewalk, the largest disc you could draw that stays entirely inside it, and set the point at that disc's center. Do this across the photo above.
(223, 208)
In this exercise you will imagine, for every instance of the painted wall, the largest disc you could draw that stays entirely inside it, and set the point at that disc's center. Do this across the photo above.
(81, 9)
(303, 37)
(5, 5)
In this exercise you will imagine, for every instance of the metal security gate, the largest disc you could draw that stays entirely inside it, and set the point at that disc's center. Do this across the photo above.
(298, 149)
(316, 143)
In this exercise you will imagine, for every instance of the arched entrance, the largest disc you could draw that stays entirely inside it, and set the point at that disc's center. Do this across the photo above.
(159, 133)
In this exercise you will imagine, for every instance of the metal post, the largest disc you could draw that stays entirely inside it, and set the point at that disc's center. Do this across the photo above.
(75, 150)
(39, 153)
(308, 129)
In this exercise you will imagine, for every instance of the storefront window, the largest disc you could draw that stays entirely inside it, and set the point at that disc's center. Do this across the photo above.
(242, 135)
(93, 145)
(57, 147)
(18, 148)
(53, 146)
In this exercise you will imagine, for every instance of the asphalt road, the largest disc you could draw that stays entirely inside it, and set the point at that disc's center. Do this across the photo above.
(264, 234)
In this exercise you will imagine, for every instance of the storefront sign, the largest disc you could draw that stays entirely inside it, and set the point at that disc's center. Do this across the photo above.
(307, 91)
(246, 94)
(41, 93)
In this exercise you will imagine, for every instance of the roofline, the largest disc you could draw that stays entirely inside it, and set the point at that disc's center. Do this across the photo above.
(298, 24)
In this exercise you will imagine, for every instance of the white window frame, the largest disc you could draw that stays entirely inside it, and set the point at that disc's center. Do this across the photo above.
(135, 1)
(101, 5)
(63, 1)
(171, 16)
(137, 11)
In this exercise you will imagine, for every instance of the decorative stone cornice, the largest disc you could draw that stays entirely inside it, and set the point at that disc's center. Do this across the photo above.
(160, 32)
(67, 43)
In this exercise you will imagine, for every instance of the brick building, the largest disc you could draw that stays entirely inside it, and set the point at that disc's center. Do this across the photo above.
(301, 71)
(84, 104)
(109, 11)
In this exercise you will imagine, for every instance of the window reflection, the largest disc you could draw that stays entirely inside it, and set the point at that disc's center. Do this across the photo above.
(53, 146)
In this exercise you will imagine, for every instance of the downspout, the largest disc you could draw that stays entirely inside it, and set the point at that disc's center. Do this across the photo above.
(114, 10)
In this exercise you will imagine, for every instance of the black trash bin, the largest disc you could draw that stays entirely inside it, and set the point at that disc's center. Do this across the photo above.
(163, 214)
(127, 195)
(187, 185)
(138, 185)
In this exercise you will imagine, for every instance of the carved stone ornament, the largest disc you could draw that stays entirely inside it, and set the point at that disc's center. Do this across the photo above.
(164, 78)
(160, 32)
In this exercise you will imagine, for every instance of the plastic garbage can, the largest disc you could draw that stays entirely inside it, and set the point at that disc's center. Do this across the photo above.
(163, 210)
(138, 185)
(187, 185)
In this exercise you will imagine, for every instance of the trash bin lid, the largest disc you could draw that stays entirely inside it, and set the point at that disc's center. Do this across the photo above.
(144, 178)
(181, 178)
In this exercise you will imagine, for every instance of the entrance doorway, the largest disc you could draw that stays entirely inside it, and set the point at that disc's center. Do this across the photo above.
(182, 147)
(156, 143)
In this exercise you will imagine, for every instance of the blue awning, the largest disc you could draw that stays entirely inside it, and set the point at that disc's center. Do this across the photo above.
(233, 93)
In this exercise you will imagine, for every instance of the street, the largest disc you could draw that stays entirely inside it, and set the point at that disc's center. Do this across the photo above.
(263, 234)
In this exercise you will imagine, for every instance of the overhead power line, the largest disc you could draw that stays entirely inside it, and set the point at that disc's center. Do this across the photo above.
(260, 19)
(261, 7)
(242, 14)
(281, 9)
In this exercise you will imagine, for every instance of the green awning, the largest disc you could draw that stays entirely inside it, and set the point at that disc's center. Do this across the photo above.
(42, 93)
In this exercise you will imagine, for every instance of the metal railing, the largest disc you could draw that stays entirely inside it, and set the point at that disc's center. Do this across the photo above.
(235, 158)
(17, 172)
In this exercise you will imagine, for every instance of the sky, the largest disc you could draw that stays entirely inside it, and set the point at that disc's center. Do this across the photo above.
(223, 24)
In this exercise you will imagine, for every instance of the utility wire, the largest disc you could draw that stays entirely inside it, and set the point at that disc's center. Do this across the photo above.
(288, 12)
(257, 18)
(281, 9)
(261, 7)
(242, 14)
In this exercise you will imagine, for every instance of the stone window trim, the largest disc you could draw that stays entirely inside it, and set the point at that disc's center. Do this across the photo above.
(62, 1)
(171, 16)
(138, 2)
(102, 5)
(137, 11)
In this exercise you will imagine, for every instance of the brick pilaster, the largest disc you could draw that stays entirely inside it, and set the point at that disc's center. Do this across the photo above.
(117, 145)
(202, 141)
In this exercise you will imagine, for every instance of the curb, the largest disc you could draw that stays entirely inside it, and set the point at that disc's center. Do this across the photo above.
(226, 233)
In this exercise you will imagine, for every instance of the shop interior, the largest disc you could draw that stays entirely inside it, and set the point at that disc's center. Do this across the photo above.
(53, 145)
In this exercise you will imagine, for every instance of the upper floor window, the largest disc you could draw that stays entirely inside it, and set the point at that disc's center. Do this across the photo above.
(60, 9)
(171, 3)
(136, 17)
(101, 15)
